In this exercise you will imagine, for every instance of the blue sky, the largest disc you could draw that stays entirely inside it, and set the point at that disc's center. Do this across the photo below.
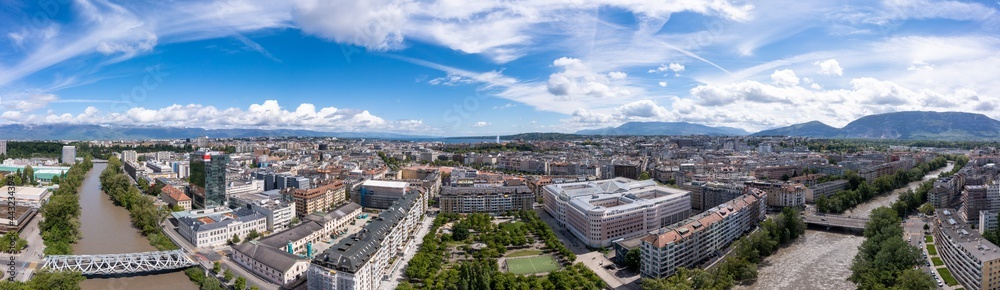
(452, 68)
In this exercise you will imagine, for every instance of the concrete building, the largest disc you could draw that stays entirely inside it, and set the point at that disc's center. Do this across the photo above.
(688, 242)
(826, 189)
(273, 264)
(32, 197)
(130, 156)
(599, 212)
(974, 261)
(278, 214)
(214, 227)
(3, 147)
(485, 199)
(973, 201)
(69, 154)
(321, 198)
(335, 222)
(175, 197)
(364, 260)
(380, 193)
(208, 179)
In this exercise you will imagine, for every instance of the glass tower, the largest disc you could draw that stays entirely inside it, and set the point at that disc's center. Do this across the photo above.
(208, 179)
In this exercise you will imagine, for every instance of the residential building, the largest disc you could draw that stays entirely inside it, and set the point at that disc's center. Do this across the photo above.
(599, 212)
(316, 199)
(69, 154)
(278, 213)
(175, 197)
(130, 156)
(214, 227)
(973, 261)
(275, 265)
(364, 260)
(336, 221)
(688, 242)
(973, 201)
(380, 193)
(208, 179)
(485, 199)
(826, 189)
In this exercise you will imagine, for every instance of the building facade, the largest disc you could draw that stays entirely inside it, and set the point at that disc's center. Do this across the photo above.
(215, 228)
(973, 261)
(599, 212)
(364, 260)
(485, 199)
(175, 197)
(319, 199)
(69, 154)
(688, 242)
(380, 193)
(208, 179)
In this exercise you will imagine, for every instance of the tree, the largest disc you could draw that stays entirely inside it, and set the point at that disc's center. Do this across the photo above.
(785, 177)
(252, 235)
(644, 175)
(29, 175)
(227, 275)
(914, 279)
(216, 267)
(46, 279)
(236, 239)
(55, 179)
(295, 221)
(927, 209)
(241, 283)
(211, 284)
(460, 232)
(254, 287)
(633, 259)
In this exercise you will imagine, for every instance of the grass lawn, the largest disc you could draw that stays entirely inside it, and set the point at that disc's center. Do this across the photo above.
(937, 261)
(947, 277)
(524, 253)
(928, 239)
(532, 265)
(931, 250)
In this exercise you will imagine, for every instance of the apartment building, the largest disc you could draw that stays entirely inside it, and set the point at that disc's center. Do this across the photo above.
(486, 199)
(316, 199)
(688, 242)
(364, 260)
(826, 189)
(380, 193)
(599, 212)
(974, 261)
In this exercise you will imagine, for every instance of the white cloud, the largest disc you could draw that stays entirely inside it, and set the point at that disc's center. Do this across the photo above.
(815, 86)
(480, 124)
(675, 67)
(830, 67)
(450, 80)
(663, 84)
(642, 109)
(505, 106)
(784, 78)
(576, 80)
(617, 75)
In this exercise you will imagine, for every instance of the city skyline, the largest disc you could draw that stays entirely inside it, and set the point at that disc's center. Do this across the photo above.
(452, 69)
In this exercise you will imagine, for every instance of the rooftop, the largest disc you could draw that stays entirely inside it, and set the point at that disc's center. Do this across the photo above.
(969, 239)
(354, 251)
(384, 183)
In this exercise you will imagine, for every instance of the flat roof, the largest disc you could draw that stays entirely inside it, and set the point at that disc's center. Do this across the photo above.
(385, 183)
(969, 239)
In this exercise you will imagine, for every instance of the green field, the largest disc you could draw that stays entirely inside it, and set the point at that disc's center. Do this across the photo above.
(947, 277)
(931, 250)
(540, 264)
(928, 239)
(937, 261)
(524, 253)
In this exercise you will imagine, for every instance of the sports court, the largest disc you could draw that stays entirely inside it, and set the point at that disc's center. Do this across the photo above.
(532, 265)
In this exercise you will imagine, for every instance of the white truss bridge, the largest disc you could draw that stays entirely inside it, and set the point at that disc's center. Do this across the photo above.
(120, 264)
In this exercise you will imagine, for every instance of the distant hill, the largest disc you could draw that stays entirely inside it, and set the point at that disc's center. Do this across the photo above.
(96, 132)
(534, 136)
(910, 125)
(664, 128)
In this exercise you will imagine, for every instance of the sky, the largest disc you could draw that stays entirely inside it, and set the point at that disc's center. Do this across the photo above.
(460, 68)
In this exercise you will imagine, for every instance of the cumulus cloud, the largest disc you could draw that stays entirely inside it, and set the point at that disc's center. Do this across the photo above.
(268, 115)
(480, 124)
(663, 68)
(663, 84)
(784, 78)
(830, 67)
(576, 80)
(642, 109)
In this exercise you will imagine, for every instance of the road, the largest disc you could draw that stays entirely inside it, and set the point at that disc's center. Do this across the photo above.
(414, 245)
(30, 259)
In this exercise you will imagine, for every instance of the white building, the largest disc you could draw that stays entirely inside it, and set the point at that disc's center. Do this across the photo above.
(3, 146)
(210, 228)
(599, 212)
(130, 156)
(69, 154)
(362, 261)
(380, 193)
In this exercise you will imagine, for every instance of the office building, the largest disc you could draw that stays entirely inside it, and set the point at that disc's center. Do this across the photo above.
(973, 260)
(599, 212)
(3, 147)
(130, 156)
(485, 199)
(214, 227)
(364, 260)
(208, 179)
(688, 242)
(69, 154)
(380, 193)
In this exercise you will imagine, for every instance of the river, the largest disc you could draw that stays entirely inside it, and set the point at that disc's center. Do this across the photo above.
(822, 260)
(107, 229)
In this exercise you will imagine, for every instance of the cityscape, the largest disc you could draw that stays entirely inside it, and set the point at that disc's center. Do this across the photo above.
(444, 145)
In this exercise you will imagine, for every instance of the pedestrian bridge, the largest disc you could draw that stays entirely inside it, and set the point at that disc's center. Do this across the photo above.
(120, 264)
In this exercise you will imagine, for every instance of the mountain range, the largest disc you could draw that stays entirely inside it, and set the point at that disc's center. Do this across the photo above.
(664, 128)
(910, 125)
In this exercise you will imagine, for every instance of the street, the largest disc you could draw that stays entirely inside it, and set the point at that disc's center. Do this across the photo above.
(414, 245)
(206, 262)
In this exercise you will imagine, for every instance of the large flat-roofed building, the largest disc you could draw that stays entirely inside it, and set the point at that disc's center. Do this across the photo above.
(485, 199)
(826, 189)
(380, 193)
(974, 261)
(69, 154)
(364, 260)
(688, 242)
(599, 212)
(29, 196)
